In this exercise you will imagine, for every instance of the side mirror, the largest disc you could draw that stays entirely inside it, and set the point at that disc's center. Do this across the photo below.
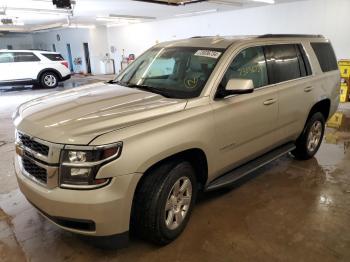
(239, 86)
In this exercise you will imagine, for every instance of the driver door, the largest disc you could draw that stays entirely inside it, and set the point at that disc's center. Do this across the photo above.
(246, 124)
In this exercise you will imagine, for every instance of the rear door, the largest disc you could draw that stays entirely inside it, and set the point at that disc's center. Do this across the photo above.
(246, 124)
(328, 78)
(26, 65)
(289, 68)
(6, 66)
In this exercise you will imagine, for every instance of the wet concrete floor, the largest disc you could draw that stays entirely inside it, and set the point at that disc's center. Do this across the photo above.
(287, 211)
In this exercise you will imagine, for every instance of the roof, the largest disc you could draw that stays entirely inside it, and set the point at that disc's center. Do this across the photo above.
(223, 42)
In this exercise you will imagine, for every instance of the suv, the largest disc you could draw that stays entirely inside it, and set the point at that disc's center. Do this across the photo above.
(186, 116)
(24, 67)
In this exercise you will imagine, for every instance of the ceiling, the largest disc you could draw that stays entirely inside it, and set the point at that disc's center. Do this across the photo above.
(34, 15)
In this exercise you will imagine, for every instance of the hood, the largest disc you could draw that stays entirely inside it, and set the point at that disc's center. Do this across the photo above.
(77, 116)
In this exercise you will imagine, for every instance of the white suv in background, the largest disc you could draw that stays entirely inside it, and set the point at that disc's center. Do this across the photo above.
(26, 67)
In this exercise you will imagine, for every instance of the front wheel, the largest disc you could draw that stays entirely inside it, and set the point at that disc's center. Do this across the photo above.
(48, 80)
(164, 201)
(310, 140)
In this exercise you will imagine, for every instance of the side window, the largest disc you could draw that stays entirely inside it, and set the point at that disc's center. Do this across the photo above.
(25, 57)
(6, 58)
(326, 56)
(249, 64)
(282, 63)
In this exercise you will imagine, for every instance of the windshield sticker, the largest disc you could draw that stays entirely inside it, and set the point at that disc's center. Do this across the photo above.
(208, 53)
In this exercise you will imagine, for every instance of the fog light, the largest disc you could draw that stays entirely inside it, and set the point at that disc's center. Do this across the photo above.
(80, 172)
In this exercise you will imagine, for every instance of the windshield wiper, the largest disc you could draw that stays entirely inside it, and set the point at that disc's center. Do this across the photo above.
(151, 89)
(113, 81)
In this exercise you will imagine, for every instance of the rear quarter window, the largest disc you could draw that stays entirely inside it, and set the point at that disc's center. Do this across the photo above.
(54, 57)
(325, 56)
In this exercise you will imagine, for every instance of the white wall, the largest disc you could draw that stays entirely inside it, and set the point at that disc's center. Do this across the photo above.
(327, 17)
(96, 38)
(17, 41)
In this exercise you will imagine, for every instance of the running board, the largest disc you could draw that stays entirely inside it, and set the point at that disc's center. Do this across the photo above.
(249, 167)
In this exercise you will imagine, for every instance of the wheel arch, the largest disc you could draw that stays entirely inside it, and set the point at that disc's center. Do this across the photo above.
(195, 156)
(322, 106)
(49, 70)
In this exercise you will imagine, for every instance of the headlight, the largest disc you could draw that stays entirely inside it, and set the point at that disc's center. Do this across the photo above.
(80, 164)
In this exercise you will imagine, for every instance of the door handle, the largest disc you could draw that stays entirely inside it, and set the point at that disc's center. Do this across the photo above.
(308, 89)
(270, 101)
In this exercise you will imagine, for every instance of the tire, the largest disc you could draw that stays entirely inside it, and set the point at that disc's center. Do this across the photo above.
(155, 200)
(49, 80)
(310, 140)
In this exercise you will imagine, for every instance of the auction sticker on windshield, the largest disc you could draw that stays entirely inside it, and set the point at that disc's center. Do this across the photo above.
(208, 53)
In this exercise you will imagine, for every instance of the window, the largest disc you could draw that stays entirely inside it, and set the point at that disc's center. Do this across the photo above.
(176, 72)
(326, 56)
(304, 63)
(25, 57)
(162, 67)
(249, 64)
(53, 57)
(282, 63)
(6, 58)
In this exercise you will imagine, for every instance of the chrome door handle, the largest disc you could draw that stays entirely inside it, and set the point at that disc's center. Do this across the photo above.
(270, 101)
(308, 89)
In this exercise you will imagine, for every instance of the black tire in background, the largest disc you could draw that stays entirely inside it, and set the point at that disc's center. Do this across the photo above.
(49, 80)
(314, 129)
(155, 195)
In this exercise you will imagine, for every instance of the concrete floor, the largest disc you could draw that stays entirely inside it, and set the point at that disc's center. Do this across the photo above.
(287, 211)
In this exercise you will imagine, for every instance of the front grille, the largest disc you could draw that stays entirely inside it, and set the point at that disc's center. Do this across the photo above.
(33, 169)
(33, 145)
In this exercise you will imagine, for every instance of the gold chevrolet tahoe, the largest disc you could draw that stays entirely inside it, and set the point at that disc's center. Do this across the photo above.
(186, 116)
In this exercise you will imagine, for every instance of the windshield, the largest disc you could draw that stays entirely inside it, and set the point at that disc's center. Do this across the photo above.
(176, 72)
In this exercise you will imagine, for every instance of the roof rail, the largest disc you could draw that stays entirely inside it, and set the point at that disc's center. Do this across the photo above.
(290, 35)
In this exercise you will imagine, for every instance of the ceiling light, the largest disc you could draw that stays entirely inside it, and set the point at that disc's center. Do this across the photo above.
(132, 17)
(198, 12)
(113, 18)
(265, 1)
(18, 11)
(172, 2)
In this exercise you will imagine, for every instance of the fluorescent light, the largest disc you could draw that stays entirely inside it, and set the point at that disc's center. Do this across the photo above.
(18, 11)
(265, 1)
(198, 12)
(107, 19)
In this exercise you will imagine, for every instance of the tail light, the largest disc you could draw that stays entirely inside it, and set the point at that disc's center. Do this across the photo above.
(65, 63)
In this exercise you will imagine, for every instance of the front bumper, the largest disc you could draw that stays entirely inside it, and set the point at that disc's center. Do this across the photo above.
(100, 212)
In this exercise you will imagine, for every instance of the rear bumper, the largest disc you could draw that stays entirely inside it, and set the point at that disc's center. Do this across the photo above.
(100, 212)
(66, 77)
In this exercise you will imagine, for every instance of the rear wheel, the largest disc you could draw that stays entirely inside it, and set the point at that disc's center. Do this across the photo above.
(49, 80)
(310, 140)
(164, 201)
